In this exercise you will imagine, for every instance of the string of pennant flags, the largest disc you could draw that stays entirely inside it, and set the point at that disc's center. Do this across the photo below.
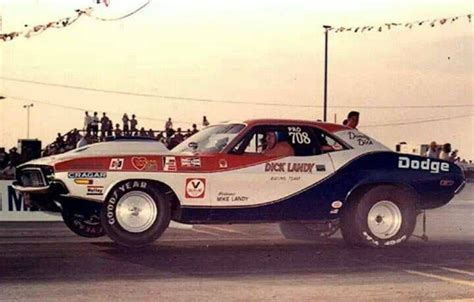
(38, 29)
(31, 31)
(392, 25)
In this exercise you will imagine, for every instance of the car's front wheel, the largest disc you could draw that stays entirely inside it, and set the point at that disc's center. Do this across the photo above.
(135, 214)
(84, 221)
(383, 216)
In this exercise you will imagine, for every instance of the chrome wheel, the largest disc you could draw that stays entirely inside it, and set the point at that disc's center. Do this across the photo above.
(384, 219)
(136, 211)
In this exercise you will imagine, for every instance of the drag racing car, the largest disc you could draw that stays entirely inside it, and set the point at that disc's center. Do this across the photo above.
(310, 177)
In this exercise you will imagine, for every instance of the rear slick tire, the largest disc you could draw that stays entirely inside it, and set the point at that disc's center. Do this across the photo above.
(135, 214)
(384, 216)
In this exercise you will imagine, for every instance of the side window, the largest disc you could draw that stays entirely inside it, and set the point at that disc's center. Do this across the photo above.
(279, 141)
(327, 143)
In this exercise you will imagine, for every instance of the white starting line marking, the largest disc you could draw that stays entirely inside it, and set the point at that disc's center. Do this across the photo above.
(442, 278)
(455, 270)
(224, 230)
(449, 269)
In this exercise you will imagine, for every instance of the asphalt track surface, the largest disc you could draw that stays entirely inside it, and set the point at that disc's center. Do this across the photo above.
(46, 262)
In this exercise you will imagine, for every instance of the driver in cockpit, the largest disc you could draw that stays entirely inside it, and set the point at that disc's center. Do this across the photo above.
(275, 147)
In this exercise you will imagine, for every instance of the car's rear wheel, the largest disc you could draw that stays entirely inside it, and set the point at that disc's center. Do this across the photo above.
(84, 221)
(383, 216)
(135, 214)
(316, 232)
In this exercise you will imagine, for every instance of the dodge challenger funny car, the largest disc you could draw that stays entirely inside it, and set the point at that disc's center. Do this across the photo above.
(310, 177)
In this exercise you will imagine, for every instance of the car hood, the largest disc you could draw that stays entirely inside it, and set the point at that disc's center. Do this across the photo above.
(105, 149)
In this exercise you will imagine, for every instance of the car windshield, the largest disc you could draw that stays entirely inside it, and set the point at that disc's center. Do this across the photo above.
(211, 139)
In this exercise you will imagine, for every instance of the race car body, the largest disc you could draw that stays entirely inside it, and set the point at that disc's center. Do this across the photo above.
(287, 171)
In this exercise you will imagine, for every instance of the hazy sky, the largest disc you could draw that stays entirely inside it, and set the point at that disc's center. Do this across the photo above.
(247, 51)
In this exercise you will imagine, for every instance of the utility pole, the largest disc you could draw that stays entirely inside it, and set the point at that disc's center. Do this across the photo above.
(28, 119)
(326, 33)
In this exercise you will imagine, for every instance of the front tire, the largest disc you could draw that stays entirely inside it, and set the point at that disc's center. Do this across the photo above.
(84, 221)
(384, 216)
(135, 214)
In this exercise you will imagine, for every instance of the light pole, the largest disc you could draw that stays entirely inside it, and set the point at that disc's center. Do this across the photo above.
(28, 119)
(326, 28)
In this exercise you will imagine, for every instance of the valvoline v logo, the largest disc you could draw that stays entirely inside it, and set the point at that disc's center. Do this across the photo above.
(195, 187)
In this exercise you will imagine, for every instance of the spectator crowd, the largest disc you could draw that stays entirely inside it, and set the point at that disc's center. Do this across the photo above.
(103, 129)
(444, 152)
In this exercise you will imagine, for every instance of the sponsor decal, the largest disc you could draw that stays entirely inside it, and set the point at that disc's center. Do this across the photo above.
(361, 139)
(298, 137)
(290, 167)
(320, 168)
(334, 211)
(95, 190)
(86, 175)
(428, 164)
(169, 163)
(446, 183)
(144, 164)
(222, 163)
(116, 164)
(191, 162)
(336, 204)
(195, 187)
(80, 181)
(230, 197)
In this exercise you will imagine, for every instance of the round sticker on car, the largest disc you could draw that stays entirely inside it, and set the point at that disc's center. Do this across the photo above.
(195, 187)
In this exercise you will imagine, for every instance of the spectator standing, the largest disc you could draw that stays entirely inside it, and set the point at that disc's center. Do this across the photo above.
(133, 125)
(95, 125)
(151, 133)
(168, 124)
(188, 133)
(104, 125)
(15, 158)
(117, 131)
(205, 122)
(110, 128)
(59, 141)
(87, 122)
(433, 151)
(195, 130)
(445, 152)
(352, 120)
(125, 121)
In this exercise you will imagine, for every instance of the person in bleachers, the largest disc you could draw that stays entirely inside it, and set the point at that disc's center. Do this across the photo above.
(205, 122)
(117, 132)
(87, 122)
(104, 125)
(125, 122)
(133, 125)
